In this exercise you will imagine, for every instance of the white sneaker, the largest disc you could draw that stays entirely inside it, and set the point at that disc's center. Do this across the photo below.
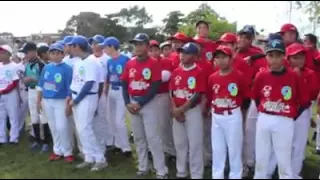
(83, 165)
(98, 167)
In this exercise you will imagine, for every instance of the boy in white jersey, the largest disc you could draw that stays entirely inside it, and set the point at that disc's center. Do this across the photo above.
(84, 101)
(100, 125)
(9, 98)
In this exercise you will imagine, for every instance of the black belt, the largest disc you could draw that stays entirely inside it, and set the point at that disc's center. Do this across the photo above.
(32, 87)
(90, 93)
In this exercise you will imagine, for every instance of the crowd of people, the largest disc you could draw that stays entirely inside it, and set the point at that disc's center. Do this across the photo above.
(200, 101)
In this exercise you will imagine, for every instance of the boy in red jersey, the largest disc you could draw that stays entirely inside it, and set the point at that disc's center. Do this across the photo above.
(296, 55)
(226, 92)
(163, 99)
(278, 95)
(177, 41)
(187, 85)
(141, 80)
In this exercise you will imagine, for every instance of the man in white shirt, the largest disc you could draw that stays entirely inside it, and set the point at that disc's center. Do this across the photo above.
(127, 52)
(84, 102)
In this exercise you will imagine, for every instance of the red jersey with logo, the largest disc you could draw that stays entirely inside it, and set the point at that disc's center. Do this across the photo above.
(279, 94)
(175, 58)
(165, 64)
(208, 47)
(140, 75)
(310, 81)
(227, 92)
(185, 83)
(206, 66)
(257, 65)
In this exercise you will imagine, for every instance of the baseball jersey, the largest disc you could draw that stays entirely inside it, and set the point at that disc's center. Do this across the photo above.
(84, 71)
(55, 81)
(165, 65)
(8, 74)
(206, 66)
(20, 71)
(279, 94)
(185, 83)
(310, 82)
(115, 68)
(33, 70)
(101, 65)
(175, 58)
(227, 92)
(140, 75)
(70, 60)
(208, 47)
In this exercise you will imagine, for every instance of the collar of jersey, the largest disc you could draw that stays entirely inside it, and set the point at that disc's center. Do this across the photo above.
(279, 73)
(189, 68)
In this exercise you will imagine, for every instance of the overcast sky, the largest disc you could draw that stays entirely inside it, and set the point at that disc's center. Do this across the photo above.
(24, 18)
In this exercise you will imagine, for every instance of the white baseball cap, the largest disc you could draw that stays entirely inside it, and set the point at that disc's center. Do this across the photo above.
(6, 48)
(42, 44)
(20, 55)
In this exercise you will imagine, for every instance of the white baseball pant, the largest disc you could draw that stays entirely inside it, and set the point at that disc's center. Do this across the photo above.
(165, 123)
(188, 138)
(227, 138)
(146, 135)
(116, 116)
(23, 108)
(9, 104)
(59, 126)
(300, 138)
(250, 134)
(83, 115)
(272, 132)
(100, 127)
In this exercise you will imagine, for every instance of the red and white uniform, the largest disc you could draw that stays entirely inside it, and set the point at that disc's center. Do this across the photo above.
(279, 96)
(188, 136)
(140, 75)
(226, 94)
(208, 47)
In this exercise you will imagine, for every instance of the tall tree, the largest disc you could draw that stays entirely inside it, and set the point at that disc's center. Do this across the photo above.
(218, 24)
(172, 22)
(312, 9)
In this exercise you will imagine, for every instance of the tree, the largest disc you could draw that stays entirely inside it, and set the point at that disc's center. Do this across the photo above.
(172, 22)
(85, 23)
(218, 24)
(312, 9)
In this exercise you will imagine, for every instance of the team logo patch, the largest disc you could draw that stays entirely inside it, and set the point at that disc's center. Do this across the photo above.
(81, 70)
(119, 69)
(191, 82)
(286, 92)
(233, 89)
(209, 56)
(8, 74)
(146, 73)
(58, 77)
(46, 74)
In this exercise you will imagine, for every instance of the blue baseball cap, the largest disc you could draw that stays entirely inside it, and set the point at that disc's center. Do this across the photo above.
(61, 42)
(189, 48)
(96, 38)
(56, 47)
(111, 41)
(141, 37)
(275, 45)
(79, 40)
(247, 29)
(274, 36)
(67, 39)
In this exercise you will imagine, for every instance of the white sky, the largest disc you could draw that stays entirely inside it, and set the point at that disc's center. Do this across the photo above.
(24, 18)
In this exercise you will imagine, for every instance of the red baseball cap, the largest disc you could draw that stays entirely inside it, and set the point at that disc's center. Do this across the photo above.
(288, 27)
(223, 49)
(154, 43)
(228, 38)
(180, 37)
(294, 49)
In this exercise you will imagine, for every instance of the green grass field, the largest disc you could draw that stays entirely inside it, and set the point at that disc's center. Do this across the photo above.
(19, 162)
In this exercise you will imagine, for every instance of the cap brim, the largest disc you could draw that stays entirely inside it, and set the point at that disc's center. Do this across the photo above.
(134, 41)
(220, 52)
(296, 52)
(55, 49)
(274, 49)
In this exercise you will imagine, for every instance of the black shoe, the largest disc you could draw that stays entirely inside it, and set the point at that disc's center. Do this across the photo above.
(13, 144)
(314, 136)
(318, 151)
(150, 156)
(181, 177)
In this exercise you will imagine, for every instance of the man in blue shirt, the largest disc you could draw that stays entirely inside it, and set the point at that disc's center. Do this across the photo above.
(113, 88)
(31, 77)
(53, 89)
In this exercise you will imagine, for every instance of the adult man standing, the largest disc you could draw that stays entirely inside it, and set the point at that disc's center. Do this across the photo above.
(9, 99)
